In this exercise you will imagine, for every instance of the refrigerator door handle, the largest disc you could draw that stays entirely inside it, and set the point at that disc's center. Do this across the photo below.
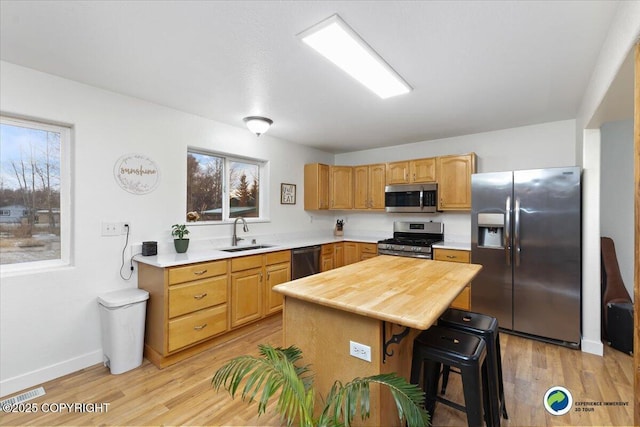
(507, 231)
(516, 231)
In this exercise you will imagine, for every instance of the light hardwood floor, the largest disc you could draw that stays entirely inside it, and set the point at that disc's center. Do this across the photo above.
(182, 395)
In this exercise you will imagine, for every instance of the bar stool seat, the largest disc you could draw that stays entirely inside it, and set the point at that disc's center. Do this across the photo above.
(486, 327)
(467, 352)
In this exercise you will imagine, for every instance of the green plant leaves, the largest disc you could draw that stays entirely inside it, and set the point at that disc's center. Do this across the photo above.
(275, 371)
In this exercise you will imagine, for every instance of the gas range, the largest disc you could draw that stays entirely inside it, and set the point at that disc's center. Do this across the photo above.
(412, 239)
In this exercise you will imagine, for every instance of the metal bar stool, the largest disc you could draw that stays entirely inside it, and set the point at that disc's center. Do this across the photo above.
(467, 352)
(486, 327)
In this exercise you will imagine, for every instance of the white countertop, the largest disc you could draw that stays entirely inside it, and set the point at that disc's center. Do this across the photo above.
(172, 259)
(460, 246)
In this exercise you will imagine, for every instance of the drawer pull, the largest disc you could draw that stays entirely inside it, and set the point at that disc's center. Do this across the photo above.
(451, 256)
(200, 296)
(200, 273)
(200, 327)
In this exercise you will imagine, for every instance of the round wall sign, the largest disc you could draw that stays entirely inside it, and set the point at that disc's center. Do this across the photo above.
(136, 173)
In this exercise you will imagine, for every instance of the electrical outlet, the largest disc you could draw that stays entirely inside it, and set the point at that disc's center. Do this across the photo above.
(360, 351)
(110, 229)
(115, 228)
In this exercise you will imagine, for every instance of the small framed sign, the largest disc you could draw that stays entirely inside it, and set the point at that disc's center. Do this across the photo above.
(287, 194)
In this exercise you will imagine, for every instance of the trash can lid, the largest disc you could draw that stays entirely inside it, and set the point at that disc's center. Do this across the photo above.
(123, 297)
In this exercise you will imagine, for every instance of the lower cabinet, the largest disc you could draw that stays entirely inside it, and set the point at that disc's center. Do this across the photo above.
(195, 306)
(336, 255)
(463, 301)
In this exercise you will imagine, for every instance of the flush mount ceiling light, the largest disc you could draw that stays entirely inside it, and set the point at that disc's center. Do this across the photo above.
(257, 124)
(340, 44)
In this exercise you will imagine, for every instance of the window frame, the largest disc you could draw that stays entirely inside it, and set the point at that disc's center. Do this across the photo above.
(263, 176)
(66, 188)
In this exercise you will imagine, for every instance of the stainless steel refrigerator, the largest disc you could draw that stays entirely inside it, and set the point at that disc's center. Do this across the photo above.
(526, 233)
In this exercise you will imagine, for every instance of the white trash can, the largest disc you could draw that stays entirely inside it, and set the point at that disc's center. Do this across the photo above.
(122, 316)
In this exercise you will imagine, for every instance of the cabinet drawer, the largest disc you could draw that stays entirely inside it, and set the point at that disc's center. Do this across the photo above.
(327, 249)
(369, 248)
(463, 301)
(246, 262)
(196, 327)
(197, 271)
(278, 257)
(452, 255)
(194, 296)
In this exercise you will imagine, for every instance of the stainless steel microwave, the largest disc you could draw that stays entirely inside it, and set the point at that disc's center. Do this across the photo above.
(419, 198)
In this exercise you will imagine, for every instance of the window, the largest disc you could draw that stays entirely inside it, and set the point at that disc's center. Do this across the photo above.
(220, 188)
(34, 193)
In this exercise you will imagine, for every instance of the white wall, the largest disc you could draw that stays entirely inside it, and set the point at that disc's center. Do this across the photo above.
(617, 193)
(527, 147)
(623, 34)
(49, 323)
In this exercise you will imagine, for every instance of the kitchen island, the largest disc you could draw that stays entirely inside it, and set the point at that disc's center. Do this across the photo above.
(381, 303)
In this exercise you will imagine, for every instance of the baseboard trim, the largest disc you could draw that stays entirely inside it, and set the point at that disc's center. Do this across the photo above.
(48, 373)
(592, 347)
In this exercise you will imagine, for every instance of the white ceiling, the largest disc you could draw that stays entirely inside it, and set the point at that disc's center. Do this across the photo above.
(475, 66)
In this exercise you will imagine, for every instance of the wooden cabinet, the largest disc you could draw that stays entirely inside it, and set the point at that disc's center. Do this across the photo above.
(454, 181)
(187, 305)
(338, 255)
(196, 306)
(368, 188)
(246, 289)
(463, 301)
(316, 186)
(367, 250)
(422, 170)
(252, 278)
(341, 187)
(398, 173)
(351, 253)
(411, 171)
(327, 257)
(278, 270)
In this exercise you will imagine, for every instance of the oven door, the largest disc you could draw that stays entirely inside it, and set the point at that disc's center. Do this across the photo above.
(420, 198)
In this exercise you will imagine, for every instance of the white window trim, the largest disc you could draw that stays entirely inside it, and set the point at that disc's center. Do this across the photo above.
(66, 188)
(264, 199)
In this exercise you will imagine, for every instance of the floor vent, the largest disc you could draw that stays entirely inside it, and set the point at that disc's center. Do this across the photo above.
(24, 397)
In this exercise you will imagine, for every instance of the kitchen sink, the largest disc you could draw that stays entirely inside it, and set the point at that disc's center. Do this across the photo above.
(246, 248)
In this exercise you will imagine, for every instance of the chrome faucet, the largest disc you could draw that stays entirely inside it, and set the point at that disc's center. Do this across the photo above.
(245, 228)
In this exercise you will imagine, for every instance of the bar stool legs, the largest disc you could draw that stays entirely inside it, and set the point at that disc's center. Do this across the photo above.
(486, 327)
(439, 346)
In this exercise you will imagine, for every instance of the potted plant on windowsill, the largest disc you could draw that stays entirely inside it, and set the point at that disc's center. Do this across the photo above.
(275, 370)
(178, 231)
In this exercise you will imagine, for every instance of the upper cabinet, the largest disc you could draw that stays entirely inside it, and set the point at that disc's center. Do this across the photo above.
(362, 187)
(411, 171)
(368, 186)
(341, 187)
(316, 186)
(454, 181)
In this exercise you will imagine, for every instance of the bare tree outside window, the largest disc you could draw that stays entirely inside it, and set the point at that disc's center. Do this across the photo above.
(220, 188)
(29, 192)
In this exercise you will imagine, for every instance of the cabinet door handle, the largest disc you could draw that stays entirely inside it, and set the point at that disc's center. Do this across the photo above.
(260, 277)
(268, 276)
(200, 273)
(200, 327)
(200, 296)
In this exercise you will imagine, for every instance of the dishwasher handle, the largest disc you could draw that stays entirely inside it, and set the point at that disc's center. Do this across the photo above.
(306, 250)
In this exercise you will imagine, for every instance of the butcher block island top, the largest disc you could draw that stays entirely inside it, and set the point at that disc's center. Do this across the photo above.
(410, 292)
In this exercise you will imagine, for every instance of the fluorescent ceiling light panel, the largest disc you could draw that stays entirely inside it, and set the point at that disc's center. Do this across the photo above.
(337, 42)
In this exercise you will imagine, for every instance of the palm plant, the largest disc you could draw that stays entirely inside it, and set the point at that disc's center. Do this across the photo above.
(276, 370)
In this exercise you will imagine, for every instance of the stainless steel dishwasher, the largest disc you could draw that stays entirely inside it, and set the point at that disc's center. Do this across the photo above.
(305, 261)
